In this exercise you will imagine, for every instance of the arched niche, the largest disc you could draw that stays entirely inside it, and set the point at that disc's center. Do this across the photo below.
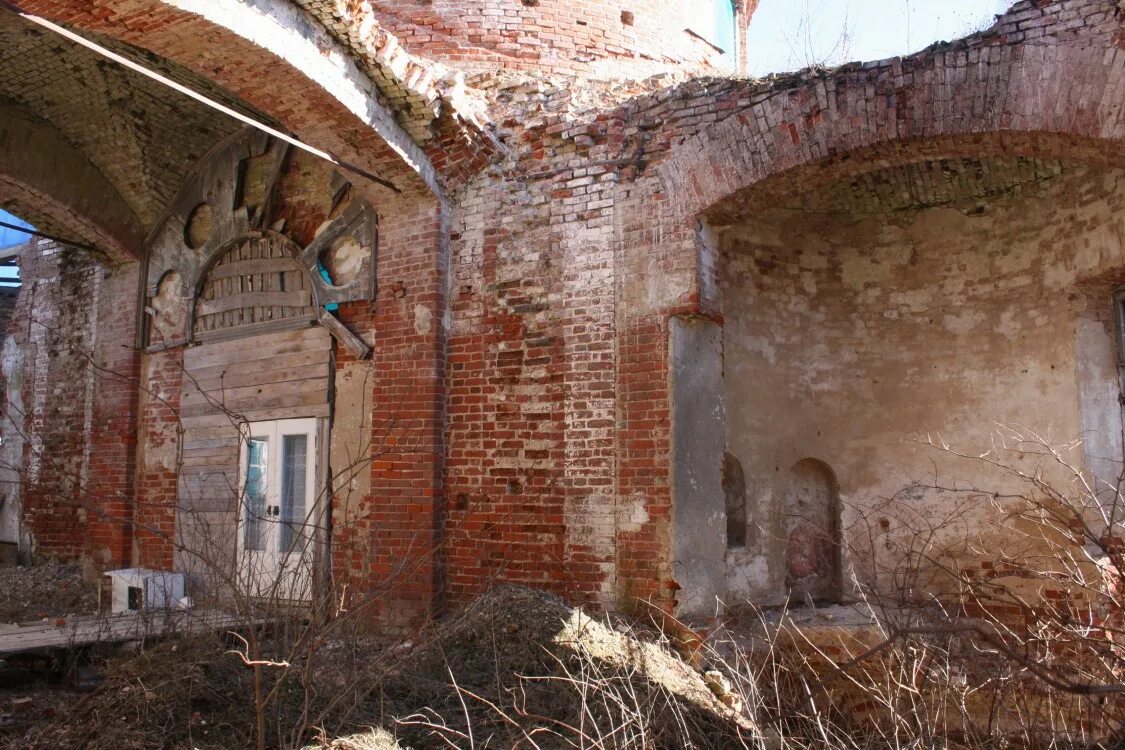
(734, 491)
(810, 519)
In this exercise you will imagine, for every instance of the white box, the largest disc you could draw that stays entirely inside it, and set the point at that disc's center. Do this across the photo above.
(141, 588)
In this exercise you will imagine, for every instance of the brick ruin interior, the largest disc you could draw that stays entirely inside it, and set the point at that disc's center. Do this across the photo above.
(583, 309)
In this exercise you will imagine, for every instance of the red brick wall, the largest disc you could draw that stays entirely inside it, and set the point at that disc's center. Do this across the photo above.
(530, 441)
(159, 455)
(389, 552)
(74, 321)
(114, 427)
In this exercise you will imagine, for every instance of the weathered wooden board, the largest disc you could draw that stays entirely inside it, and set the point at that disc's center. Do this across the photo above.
(254, 348)
(280, 375)
(257, 281)
(259, 415)
(279, 372)
(239, 300)
(254, 267)
(247, 372)
(89, 629)
(295, 402)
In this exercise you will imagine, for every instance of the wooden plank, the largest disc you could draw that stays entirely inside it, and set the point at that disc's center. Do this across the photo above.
(199, 485)
(236, 300)
(211, 433)
(238, 378)
(275, 364)
(200, 394)
(236, 398)
(258, 415)
(253, 348)
(254, 268)
(203, 520)
(292, 400)
(195, 459)
(128, 626)
(197, 490)
(242, 332)
(202, 444)
(350, 341)
(227, 449)
(260, 340)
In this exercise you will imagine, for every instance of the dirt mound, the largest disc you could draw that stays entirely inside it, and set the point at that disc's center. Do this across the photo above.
(178, 694)
(520, 665)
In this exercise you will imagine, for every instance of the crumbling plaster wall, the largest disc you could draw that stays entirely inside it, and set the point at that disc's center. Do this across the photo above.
(848, 335)
(540, 445)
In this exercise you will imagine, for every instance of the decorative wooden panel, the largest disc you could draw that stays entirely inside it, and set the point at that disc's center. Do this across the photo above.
(257, 281)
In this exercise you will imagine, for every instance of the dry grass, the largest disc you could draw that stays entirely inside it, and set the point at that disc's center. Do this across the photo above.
(520, 669)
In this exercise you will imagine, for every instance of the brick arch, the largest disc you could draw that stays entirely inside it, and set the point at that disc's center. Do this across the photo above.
(980, 97)
(44, 179)
(278, 60)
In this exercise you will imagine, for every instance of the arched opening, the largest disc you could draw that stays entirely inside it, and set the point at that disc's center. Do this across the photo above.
(257, 281)
(14, 541)
(932, 296)
(810, 519)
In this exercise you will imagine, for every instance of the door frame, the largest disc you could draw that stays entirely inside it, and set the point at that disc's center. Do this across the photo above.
(272, 567)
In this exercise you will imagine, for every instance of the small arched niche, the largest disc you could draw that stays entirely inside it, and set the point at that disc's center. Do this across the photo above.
(734, 490)
(810, 517)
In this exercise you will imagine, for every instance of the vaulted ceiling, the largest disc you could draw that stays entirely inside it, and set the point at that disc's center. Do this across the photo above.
(136, 137)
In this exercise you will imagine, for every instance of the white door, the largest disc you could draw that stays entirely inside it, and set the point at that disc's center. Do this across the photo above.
(276, 531)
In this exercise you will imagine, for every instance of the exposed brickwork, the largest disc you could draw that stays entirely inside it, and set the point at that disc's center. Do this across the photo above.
(576, 37)
(520, 400)
(362, 132)
(113, 433)
(75, 323)
(158, 460)
(143, 136)
(390, 541)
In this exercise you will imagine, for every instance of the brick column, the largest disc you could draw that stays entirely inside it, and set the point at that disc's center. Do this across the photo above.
(386, 547)
(113, 429)
(157, 463)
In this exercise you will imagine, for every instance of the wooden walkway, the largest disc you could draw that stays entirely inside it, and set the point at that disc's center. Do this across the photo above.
(84, 630)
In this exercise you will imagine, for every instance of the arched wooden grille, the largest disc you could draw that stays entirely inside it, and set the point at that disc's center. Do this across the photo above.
(257, 282)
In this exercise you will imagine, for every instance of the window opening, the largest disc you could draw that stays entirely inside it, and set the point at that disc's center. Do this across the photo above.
(294, 454)
(278, 473)
(717, 22)
(256, 507)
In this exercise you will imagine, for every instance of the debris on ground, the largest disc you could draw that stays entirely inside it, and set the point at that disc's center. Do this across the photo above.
(181, 693)
(515, 664)
(520, 663)
(46, 589)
